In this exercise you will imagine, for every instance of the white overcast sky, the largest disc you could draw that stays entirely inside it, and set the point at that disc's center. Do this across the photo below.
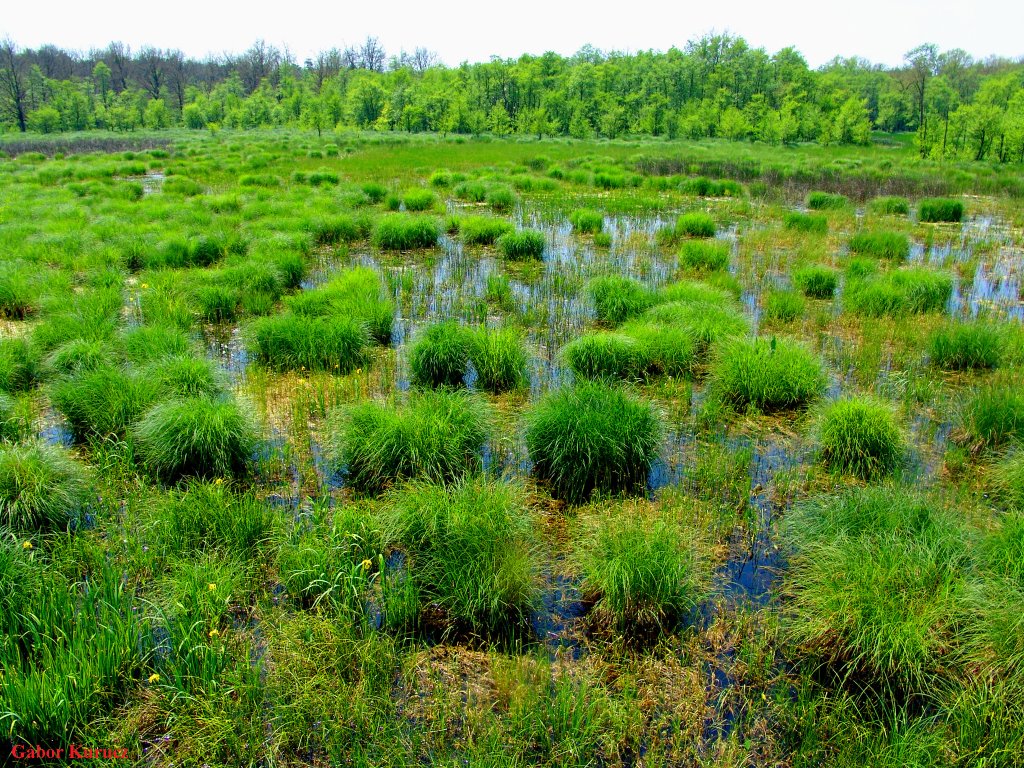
(878, 30)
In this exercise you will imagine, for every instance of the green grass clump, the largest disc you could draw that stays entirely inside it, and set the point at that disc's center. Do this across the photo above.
(473, 551)
(695, 224)
(825, 201)
(483, 230)
(709, 255)
(149, 342)
(816, 281)
(882, 245)
(905, 291)
(499, 357)
(335, 229)
(939, 209)
(436, 436)
(706, 323)
(418, 199)
(874, 585)
(1006, 481)
(41, 487)
(807, 223)
(694, 292)
(400, 232)
(374, 191)
(523, 244)
(784, 306)
(767, 374)
(501, 198)
(186, 376)
(992, 416)
(607, 355)
(670, 350)
(860, 436)
(617, 299)
(12, 425)
(19, 292)
(889, 206)
(592, 438)
(20, 366)
(196, 436)
(294, 342)
(357, 293)
(586, 221)
(960, 346)
(103, 402)
(642, 570)
(440, 354)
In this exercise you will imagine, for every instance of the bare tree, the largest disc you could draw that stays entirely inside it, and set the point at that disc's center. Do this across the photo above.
(12, 82)
(260, 61)
(372, 55)
(351, 58)
(177, 76)
(327, 64)
(118, 58)
(423, 59)
(55, 63)
(151, 70)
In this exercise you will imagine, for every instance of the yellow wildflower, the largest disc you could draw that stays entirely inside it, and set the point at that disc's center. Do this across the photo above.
(211, 586)
(219, 481)
(27, 545)
(154, 678)
(145, 285)
(214, 633)
(367, 564)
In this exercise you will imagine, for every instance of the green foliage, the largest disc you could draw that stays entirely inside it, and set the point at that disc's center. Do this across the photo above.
(808, 223)
(12, 424)
(19, 365)
(767, 374)
(473, 551)
(296, 342)
(784, 306)
(816, 281)
(705, 322)
(401, 232)
(500, 198)
(335, 229)
(860, 436)
(643, 570)
(357, 293)
(607, 355)
(706, 255)
(196, 436)
(824, 201)
(103, 402)
(992, 415)
(591, 438)
(186, 376)
(873, 585)
(499, 357)
(940, 210)
(586, 221)
(149, 342)
(1006, 481)
(41, 487)
(885, 245)
(19, 293)
(439, 355)
(418, 199)
(436, 436)
(960, 346)
(617, 299)
(522, 245)
(670, 350)
(695, 224)
(483, 230)
(902, 292)
(889, 206)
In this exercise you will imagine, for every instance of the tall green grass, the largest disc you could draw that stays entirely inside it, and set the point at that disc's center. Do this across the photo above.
(617, 299)
(483, 230)
(962, 346)
(196, 436)
(860, 436)
(472, 548)
(440, 354)
(592, 438)
(695, 224)
(586, 221)
(522, 245)
(807, 223)
(607, 355)
(902, 292)
(402, 232)
(709, 255)
(883, 245)
(816, 281)
(992, 416)
(358, 293)
(41, 487)
(296, 342)
(769, 374)
(499, 357)
(435, 436)
(104, 402)
(826, 201)
(940, 210)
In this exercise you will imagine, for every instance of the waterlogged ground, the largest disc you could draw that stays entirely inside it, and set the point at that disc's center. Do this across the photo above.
(721, 688)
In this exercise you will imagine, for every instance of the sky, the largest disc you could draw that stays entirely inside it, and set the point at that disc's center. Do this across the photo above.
(878, 30)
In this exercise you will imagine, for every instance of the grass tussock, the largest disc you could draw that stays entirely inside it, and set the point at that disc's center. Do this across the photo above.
(592, 438)
(483, 230)
(296, 342)
(861, 437)
(961, 346)
(522, 245)
(402, 232)
(472, 552)
(586, 221)
(902, 292)
(768, 374)
(499, 357)
(936, 209)
(816, 281)
(435, 436)
(882, 245)
(617, 299)
(826, 201)
(705, 255)
(695, 224)
(992, 416)
(440, 354)
(42, 488)
(196, 436)
(104, 402)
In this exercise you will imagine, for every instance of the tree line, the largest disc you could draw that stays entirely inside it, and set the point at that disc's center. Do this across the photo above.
(717, 86)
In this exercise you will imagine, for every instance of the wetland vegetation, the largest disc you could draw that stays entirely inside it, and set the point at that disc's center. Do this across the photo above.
(351, 448)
